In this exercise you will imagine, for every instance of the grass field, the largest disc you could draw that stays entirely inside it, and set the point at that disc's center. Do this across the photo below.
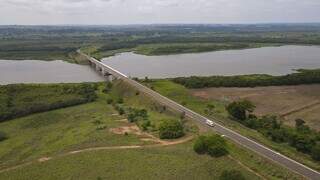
(171, 162)
(289, 102)
(184, 96)
(43, 143)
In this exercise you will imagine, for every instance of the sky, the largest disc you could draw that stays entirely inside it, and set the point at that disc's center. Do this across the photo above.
(105, 12)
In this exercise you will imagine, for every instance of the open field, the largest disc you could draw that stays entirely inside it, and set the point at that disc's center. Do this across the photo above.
(289, 102)
(184, 96)
(171, 162)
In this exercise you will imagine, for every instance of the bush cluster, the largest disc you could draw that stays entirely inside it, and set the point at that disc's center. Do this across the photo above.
(171, 129)
(214, 145)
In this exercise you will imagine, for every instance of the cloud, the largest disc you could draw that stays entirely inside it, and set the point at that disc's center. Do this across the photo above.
(157, 11)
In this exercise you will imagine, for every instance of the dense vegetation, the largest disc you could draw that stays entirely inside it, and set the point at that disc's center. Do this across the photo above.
(301, 137)
(171, 129)
(217, 110)
(20, 99)
(302, 76)
(214, 145)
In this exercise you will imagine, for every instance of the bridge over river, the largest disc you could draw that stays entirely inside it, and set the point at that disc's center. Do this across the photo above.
(291, 164)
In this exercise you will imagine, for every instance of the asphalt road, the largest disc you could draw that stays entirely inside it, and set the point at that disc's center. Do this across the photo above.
(236, 137)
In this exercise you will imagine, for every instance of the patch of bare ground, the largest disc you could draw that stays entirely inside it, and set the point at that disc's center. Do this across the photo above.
(290, 102)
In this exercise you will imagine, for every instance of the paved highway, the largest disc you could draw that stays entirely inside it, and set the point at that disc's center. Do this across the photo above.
(236, 137)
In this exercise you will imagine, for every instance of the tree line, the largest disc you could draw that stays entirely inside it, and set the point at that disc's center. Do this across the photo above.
(20, 99)
(302, 76)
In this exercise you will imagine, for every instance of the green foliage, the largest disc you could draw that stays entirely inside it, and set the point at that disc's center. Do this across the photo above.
(239, 109)
(119, 109)
(107, 87)
(136, 114)
(214, 145)
(301, 77)
(231, 175)
(20, 99)
(170, 129)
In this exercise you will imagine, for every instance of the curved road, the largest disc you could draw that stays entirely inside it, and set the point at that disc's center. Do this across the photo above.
(236, 137)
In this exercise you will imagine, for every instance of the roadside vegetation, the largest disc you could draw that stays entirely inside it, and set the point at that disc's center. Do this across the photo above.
(302, 76)
(19, 99)
(217, 110)
(302, 138)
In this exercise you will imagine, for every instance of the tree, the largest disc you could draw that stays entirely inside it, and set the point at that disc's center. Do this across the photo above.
(170, 129)
(231, 175)
(239, 109)
(315, 152)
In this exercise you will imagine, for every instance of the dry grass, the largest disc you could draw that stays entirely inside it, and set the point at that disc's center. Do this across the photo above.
(290, 102)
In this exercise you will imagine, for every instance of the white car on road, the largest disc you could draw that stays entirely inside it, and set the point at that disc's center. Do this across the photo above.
(210, 123)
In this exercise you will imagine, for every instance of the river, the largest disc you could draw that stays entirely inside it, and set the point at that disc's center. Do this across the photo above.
(267, 60)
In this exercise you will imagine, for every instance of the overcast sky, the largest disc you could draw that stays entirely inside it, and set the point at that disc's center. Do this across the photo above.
(157, 11)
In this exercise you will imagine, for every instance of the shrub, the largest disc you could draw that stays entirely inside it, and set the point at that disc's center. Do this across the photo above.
(200, 146)
(231, 175)
(214, 145)
(239, 109)
(170, 129)
(136, 114)
(145, 124)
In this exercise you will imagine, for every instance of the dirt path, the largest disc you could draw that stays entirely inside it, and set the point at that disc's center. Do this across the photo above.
(161, 143)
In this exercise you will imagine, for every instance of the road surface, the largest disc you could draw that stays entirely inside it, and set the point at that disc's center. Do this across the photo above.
(236, 137)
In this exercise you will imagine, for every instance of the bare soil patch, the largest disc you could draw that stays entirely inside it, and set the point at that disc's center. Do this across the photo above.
(290, 102)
